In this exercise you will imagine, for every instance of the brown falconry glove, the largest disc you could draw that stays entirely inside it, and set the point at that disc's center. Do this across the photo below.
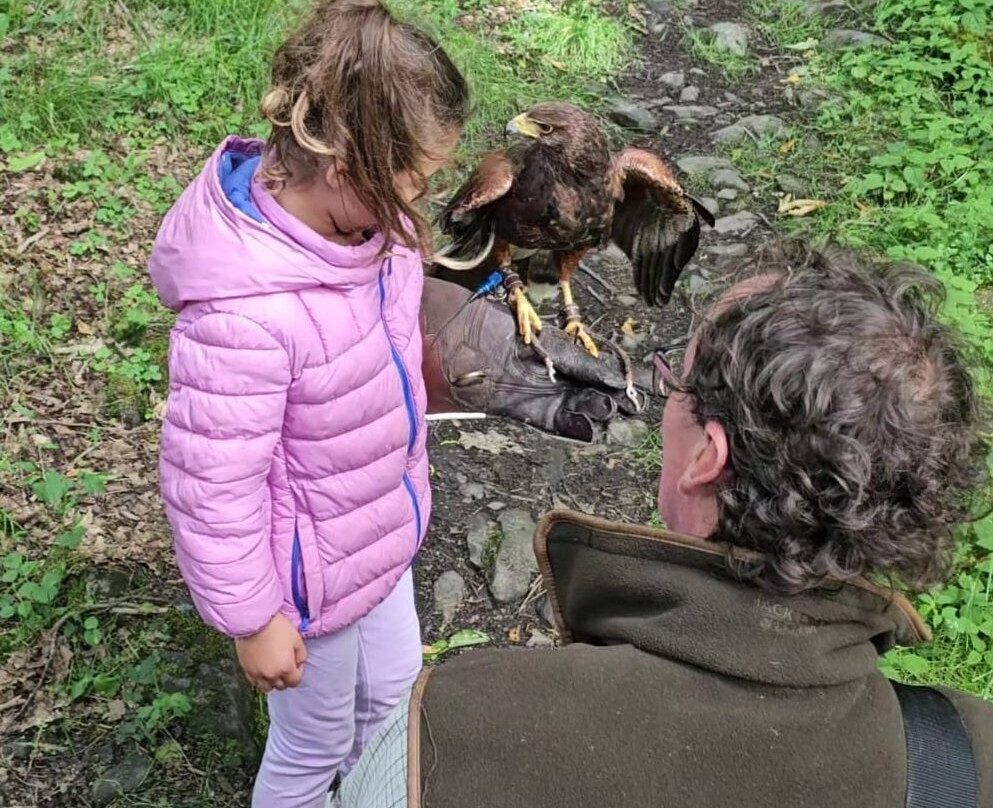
(479, 364)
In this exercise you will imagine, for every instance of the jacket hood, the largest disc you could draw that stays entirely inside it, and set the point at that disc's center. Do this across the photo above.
(227, 237)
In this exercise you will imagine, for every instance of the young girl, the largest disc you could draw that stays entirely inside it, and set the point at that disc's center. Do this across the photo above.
(293, 459)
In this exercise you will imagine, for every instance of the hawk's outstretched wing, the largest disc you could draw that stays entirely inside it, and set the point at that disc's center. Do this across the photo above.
(656, 223)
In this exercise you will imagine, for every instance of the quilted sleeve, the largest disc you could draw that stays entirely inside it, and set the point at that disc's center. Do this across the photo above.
(228, 385)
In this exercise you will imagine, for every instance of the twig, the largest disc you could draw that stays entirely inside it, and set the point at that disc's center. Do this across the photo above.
(11, 703)
(49, 655)
(75, 461)
(536, 591)
(140, 611)
(765, 219)
(30, 241)
(52, 422)
(596, 322)
(595, 295)
(597, 277)
(54, 632)
(189, 764)
(500, 492)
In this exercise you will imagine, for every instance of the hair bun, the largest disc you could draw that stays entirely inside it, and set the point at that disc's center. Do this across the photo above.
(276, 105)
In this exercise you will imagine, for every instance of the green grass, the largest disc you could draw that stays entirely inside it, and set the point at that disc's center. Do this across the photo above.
(580, 41)
(785, 23)
(900, 153)
(197, 68)
(733, 66)
(648, 454)
(511, 64)
(145, 67)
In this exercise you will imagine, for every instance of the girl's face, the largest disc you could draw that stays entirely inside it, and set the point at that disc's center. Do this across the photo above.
(346, 211)
(410, 186)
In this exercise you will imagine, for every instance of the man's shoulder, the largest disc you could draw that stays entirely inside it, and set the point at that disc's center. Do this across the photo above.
(547, 669)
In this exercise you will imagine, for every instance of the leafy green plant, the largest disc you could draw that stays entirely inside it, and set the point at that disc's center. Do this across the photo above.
(59, 325)
(19, 329)
(961, 616)
(59, 492)
(31, 585)
(29, 601)
(137, 310)
(149, 720)
(33, 597)
(921, 167)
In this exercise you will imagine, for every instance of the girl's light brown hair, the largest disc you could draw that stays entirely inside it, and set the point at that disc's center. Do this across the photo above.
(357, 85)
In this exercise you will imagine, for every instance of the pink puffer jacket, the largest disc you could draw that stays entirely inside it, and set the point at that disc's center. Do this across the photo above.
(293, 464)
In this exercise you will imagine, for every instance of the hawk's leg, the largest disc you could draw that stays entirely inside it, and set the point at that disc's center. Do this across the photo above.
(573, 322)
(574, 325)
(528, 321)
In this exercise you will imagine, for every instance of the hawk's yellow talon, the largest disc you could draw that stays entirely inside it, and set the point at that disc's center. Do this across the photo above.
(575, 330)
(528, 320)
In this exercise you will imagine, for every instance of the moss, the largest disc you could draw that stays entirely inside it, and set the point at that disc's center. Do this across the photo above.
(203, 643)
(490, 549)
(124, 400)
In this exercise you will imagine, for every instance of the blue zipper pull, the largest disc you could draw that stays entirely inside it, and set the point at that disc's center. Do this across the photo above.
(305, 623)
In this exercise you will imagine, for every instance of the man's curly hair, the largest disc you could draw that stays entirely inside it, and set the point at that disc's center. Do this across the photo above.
(855, 431)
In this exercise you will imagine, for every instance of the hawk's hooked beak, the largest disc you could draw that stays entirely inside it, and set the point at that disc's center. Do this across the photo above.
(523, 125)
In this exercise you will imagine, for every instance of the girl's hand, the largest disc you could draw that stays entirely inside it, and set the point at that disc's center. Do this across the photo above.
(274, 657)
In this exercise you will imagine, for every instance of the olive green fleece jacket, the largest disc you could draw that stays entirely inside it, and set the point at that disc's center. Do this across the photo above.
(678, 687)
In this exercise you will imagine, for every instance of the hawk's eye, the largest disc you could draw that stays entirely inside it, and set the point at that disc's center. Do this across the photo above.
(545, 128)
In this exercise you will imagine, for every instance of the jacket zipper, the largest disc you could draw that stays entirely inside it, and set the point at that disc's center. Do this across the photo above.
(295, 573)
(408, 399)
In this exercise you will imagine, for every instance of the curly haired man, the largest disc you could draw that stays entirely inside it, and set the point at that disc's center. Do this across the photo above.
(821, 438)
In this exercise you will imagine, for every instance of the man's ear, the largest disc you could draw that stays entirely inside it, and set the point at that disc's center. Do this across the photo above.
(710, 460)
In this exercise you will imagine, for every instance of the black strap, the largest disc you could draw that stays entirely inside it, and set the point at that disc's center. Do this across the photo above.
(941, 769)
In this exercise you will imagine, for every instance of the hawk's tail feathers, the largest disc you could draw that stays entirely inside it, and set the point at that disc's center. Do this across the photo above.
(441, 258)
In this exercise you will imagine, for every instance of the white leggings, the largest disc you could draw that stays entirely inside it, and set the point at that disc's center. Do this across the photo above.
(352, 680)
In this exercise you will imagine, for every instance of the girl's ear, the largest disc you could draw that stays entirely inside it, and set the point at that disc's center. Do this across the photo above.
(336, 173)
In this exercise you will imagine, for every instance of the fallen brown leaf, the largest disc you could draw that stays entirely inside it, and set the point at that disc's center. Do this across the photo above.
(116, 710)
(788, 206)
